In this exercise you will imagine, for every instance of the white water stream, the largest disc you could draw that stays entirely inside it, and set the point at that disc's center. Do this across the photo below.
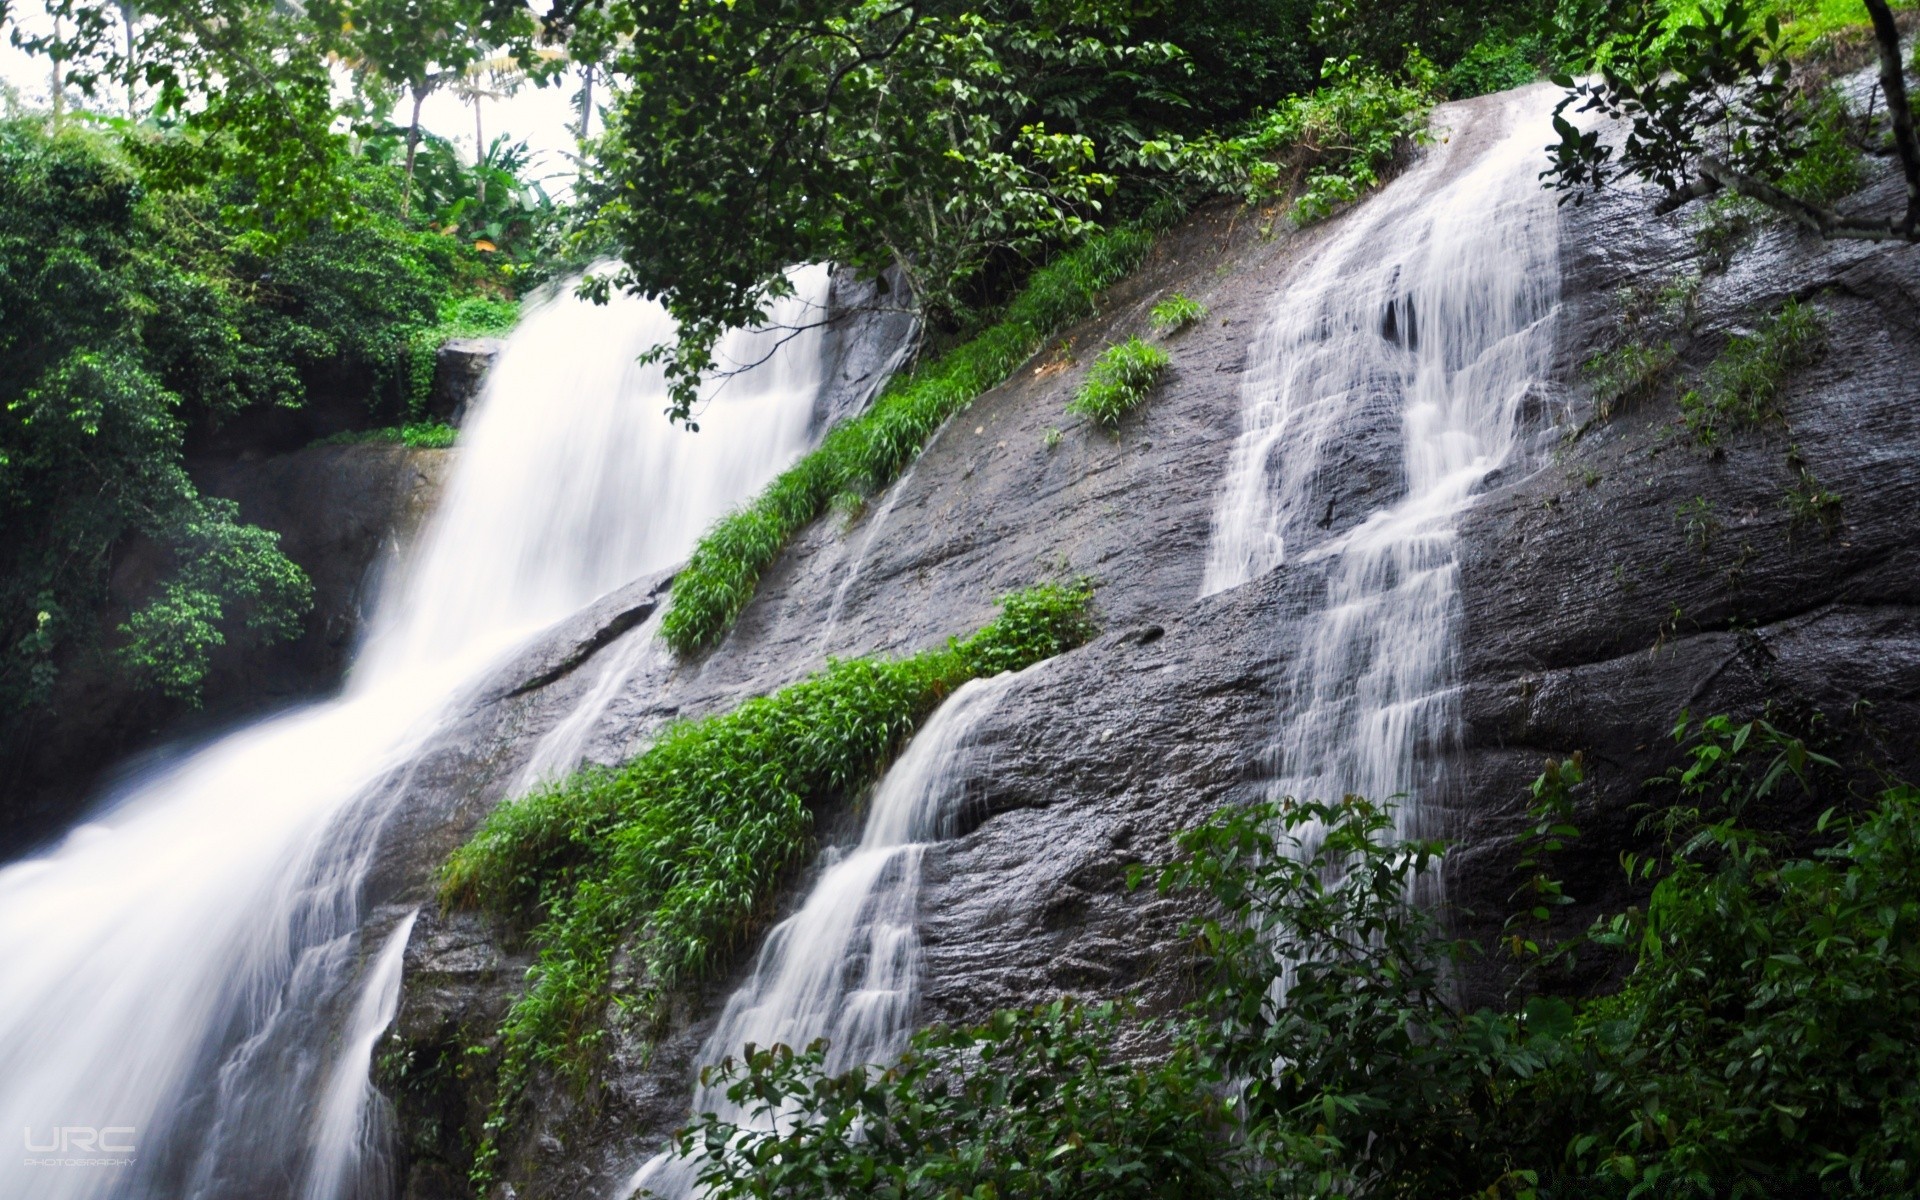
(846, 967)
(1436, 301)
(178, 1010)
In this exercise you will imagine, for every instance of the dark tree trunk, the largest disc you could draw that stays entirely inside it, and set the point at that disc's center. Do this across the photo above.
(413, 146)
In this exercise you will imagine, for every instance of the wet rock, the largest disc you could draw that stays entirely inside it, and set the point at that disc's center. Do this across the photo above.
(460, 369)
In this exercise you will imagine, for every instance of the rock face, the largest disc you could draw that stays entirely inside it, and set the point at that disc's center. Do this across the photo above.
(460, 366)
(1590, 616)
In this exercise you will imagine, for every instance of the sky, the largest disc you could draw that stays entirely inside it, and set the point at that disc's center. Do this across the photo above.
(542, 117)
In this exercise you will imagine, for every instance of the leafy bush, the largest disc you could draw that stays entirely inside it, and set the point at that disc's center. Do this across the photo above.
(1741, 387)
(1120, 379)
(1035, 1104)
(461, 317)
(866, 453)
(226, 574)
(671, 860)
(91, 440)
(1177, 312)
(1626, 375)
(1330, 145)
(1758, 1039)
(1495, 63)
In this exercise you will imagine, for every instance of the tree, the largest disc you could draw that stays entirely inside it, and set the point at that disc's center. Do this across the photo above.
(1711, 106)
(752, 135)
(416, 47)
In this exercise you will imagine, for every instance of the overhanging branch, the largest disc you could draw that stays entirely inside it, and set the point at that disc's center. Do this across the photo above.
(1823, 221)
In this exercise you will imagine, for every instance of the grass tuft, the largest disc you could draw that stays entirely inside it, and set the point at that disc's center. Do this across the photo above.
(1120, 379)
(420, 435)
(865, 454)
(1176, 312)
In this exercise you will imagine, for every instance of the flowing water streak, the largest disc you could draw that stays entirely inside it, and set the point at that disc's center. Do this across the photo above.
(875, 524)
(563, 748)
(846, 967)
(1436, 302)
(177, 964)
(349, 1142)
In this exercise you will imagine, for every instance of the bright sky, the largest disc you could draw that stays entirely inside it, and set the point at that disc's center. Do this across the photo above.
(541, 117)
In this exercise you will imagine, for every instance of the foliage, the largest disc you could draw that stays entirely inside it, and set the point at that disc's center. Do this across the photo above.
(671, 860)
(1176, 312)
(755, 135)
(866, 453)
(1741, 387)
(1331, 145)
(1757, 1038)
(226, 574)
(1711, 104)
(1626, 375)
(1499, 61)
(1035, 1104)
(464, 317)
(419, 435)
(1120, 379)
(92, 436)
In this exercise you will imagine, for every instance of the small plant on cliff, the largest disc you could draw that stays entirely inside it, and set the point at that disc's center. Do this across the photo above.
(1626, 375)
(1741, 388)
(1118, 381)
(665, 865)
(1177, 312)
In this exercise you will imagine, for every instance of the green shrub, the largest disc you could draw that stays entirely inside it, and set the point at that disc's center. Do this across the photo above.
(1495, 63)
(1758, 1040)
(1626, 375)
(466, 316)
(671, 861)
(1330, 145)
(1177, 312)
(1741, 388)
(1120, 379)
(866, 453)
(1034, 1104)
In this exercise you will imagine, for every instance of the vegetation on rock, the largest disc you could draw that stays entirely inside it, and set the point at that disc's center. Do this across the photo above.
(863, 455)
(644, 879)
(1119, 380)
(1757, 1037)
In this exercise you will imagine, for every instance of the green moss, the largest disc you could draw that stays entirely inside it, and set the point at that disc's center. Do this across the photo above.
(1120, 379)
(865, 454)
(671, 861)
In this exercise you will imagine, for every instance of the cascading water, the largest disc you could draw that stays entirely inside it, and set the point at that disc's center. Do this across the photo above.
(175, 968)
(1438, 296)
(846, 967)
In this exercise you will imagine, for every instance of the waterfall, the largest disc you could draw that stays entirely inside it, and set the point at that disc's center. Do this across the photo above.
(1433, 304)
(846, 967)
(177, 968)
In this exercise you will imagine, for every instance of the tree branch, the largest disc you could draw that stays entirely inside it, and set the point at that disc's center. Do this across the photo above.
(1823, 221)
(1893, 82)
